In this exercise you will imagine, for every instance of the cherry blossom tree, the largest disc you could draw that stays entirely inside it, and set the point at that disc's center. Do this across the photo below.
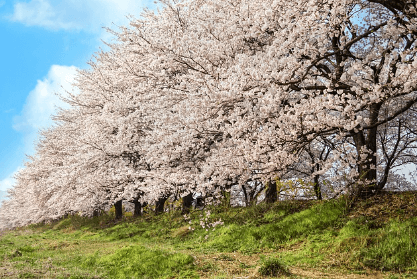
(202, 95)
(276, 80)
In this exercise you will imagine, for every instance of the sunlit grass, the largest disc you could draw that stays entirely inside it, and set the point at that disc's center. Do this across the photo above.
(285, 239)
(140, 262)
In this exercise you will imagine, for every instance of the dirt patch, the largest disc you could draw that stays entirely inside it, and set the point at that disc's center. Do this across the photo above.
(227, 265)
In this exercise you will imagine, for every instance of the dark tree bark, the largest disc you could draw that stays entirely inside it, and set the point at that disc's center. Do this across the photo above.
(138, 209)
(393, 5)
(367, 169)
(118, 209)
(96, 212)
(160, 205)
(325, 152)
(199, 202)
(317, 187)
(187, 203)
(144, 210)
(250, 193)
(271, 192)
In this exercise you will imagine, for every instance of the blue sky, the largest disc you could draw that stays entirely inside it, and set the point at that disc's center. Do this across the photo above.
(43, 43)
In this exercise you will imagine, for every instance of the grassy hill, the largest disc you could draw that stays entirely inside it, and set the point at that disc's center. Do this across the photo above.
(374, 238)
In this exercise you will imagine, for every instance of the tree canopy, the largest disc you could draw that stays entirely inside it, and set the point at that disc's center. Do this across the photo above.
(205, 94)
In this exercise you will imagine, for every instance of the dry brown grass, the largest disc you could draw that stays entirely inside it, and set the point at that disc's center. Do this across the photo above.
(387, 205)
(240, 266)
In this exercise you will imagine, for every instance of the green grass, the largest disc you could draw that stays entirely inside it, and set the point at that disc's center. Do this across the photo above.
(273, 267)
(296, 239)
(394, 247)
(139, 262)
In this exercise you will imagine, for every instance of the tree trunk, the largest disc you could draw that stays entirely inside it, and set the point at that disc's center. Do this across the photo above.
(254, 193)
(245, 193)
(118, 209)
(367, 181)
(187, 203)
(138, 209)
(199, 202)
(144, 210)
(363, 187)
(96, 212)
(160, 205)
(317, 187)
(271, 192)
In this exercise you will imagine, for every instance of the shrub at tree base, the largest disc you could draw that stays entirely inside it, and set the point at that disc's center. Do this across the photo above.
(273, 267)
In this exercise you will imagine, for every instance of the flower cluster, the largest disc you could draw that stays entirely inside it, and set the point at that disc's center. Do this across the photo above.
(205, 221)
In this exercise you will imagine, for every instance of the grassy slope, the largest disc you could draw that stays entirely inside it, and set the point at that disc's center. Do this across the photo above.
(300, 239)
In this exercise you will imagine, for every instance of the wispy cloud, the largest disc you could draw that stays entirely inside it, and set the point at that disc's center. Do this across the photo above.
(2, 3)
(88, 15)
(40, 13)
(42, 102)
(8, 111)
(7, 183)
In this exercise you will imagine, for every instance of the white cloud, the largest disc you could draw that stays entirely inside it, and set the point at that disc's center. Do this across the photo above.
(2, 3)
(40, 13)
(89, 15)
(42, 102)
(7, 183)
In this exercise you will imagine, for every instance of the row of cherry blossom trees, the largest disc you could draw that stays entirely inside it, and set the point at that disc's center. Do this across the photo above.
(202, 95)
